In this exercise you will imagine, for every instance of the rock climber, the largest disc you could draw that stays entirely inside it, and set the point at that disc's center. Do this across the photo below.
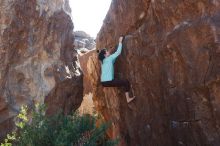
(107, 70)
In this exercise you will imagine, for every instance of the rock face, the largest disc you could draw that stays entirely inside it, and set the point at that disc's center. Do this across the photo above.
(171, 56)
(84, 59)
(37, 58)
(83, 40)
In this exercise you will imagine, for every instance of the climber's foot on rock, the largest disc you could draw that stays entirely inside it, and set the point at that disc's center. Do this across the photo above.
(129, 100)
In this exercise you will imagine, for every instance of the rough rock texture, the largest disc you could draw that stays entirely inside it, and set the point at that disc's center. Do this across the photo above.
(171, 56)
(83, 40)
(87, 106)
(83, 59)
(37, 58)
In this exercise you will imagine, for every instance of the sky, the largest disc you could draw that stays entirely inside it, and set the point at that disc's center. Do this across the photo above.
(88, 15)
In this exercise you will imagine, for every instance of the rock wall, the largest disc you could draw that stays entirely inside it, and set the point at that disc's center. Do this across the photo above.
(171, 56)
(37, 58)
(83, 59)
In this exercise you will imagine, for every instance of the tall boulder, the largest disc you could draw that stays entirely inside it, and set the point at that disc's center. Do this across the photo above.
(37, 58)
(84, 60)
(171, 56)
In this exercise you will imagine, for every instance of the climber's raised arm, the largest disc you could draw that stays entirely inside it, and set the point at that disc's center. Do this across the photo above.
(119, 49)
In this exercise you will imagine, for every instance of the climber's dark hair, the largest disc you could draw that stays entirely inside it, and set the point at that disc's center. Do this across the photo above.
(101, 55)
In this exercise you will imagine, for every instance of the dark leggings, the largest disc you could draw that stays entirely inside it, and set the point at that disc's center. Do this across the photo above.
(117, 83)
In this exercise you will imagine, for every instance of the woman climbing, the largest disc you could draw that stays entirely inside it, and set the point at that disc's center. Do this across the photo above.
(107, 75)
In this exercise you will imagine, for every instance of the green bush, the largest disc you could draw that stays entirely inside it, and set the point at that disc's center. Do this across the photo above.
(58, 130)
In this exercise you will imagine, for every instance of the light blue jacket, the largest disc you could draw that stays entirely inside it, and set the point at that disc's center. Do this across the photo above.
(108, 65)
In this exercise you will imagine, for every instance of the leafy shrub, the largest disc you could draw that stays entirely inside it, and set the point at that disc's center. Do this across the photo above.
(57, 130)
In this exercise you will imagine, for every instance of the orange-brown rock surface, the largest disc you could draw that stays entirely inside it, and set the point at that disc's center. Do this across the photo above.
(84, 59)
(37, 58)
(171, 56)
